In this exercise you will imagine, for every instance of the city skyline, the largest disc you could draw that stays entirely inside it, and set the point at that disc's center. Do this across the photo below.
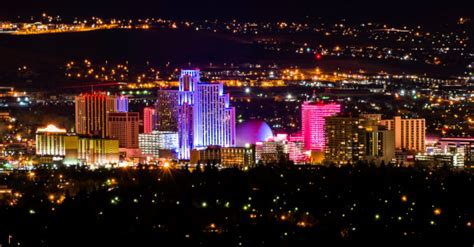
(247, 123)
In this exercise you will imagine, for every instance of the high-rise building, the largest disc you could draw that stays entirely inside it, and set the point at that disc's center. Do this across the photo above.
(378, 143)
(50, 141)
(342, 140)
(350, 139)
(149, 119)
(166, 110)
(159, 144)
(213, 118)
(123, 126)
(92, 110)
(409, 133)
(187, 84)
(313, 121)
(205, 117)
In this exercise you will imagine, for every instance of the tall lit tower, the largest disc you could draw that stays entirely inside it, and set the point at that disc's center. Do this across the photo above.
(149, 120)
(205, 117)
(187, 83)
(166, 108)
(313, 121)
(92, 110)
(213, 118)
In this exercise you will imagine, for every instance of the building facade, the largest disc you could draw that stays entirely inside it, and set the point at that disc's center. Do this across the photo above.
(409, 133)
(159, 144)
(226, 157)
(123, 126)
(213, 118)
(50, 141)
(378, 144)
(98, 151)
(149, 119)
(92, 109)
(166, 110)
(205, 117)
(342, 140)
(313, 121)
(281, 148)
(449, 144)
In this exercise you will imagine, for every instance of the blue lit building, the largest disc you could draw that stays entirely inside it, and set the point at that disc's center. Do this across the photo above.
(205, 117)
(121, 104)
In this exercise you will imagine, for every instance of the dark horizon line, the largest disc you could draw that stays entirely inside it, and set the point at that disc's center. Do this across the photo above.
(446, 18)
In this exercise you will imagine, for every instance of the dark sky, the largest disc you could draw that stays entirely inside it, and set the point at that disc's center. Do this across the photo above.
(252, 9)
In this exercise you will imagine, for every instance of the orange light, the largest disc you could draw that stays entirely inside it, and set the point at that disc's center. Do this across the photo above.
(301, 224)
(404, 198)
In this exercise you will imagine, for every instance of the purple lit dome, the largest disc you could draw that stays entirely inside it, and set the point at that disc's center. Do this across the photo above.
(252, 131)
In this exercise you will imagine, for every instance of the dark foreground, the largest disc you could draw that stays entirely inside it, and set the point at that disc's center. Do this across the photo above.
(261, 207)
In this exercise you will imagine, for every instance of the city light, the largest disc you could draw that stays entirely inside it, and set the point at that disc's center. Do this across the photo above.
(278, 128)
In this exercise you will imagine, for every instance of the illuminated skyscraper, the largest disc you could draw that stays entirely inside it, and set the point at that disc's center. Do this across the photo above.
(166, 110)
(187, 83)
(205, 117)
(123, 126)
(213, 118)
(342, 140)
(149, 119)
(313, 122)
(409, 133)
(377, 142)
(92, 110)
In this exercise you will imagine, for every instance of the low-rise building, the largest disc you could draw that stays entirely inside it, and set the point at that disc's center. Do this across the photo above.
(240, 157)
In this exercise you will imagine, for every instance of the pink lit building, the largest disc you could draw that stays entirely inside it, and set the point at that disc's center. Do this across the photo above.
(148, 120)
(281, 147)
(313, 121)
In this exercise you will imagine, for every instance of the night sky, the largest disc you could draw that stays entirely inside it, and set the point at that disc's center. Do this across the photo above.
(394, 10)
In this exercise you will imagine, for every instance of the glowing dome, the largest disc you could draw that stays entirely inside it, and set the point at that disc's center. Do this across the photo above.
(252, 131)
(50, 129)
